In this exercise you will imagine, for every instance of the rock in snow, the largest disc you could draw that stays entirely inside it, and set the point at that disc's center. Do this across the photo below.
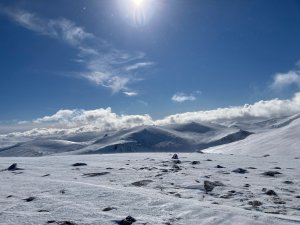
(209, 185)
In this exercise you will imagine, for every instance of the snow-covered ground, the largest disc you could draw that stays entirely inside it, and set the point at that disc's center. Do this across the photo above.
(251, 175)
(171, 192)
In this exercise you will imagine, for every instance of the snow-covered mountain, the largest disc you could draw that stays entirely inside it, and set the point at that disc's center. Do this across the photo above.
(180, 137)
(273, 136)
(282, 138)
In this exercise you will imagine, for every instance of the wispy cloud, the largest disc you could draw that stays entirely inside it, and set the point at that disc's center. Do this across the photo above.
(139, 65)
(283, 80)
(130, 93)
(61, 29)
(182, 97)
(104, 65)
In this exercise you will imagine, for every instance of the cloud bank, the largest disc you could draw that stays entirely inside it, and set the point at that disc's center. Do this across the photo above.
(102, 120)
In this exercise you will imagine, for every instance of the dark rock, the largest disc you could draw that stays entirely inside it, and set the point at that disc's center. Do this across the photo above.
(209, 160)
(209, 185)
(177, 195)
(267, 155)
(9, 196)
(109, 168)
(176, 168)
(255, 203)
(127, 221)
(240, 170)
(247, 185)
(13, 167)
(142, 183)
(288, 182)
(200, 151)
(277, 168)
(61, 222)
(177, 161)
(271, 193)
(195, 162)
(220, 167)
(95, 174)
(108, 209)
(251, 168)
(175, 156)
(30, 199)
(297, 196)
(43, 210)
(63, 191)
(271, 173)
(66, 223)
(46, 175)
(227, 196)
(279, 201)
(79, 164)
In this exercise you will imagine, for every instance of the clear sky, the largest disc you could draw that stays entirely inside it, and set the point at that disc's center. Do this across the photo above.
(158, 57)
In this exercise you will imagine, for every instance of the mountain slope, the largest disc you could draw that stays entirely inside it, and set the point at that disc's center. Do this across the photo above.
(284, 140)
(187, 137)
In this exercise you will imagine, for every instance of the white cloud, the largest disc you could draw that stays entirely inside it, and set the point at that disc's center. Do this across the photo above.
(78, 120)
(282, 80)
(261, 109)
(130, 93)
(104, 119)
(182, 97)
(139, 65)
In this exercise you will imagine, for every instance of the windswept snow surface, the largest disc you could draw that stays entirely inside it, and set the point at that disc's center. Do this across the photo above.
(151, 187)
(283, 139)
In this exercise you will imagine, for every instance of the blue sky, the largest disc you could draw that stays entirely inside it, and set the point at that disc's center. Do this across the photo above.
(156, 57)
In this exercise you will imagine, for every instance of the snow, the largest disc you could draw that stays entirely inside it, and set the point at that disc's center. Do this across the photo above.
(172, 197)
(151, 186)
(182, 137)
(284, 140)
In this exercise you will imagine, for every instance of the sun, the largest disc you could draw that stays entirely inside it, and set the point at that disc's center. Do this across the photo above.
(138, 3)
(139, 12)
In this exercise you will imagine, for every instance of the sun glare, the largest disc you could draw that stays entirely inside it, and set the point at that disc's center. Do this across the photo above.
(138, 3)
(139, 12)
